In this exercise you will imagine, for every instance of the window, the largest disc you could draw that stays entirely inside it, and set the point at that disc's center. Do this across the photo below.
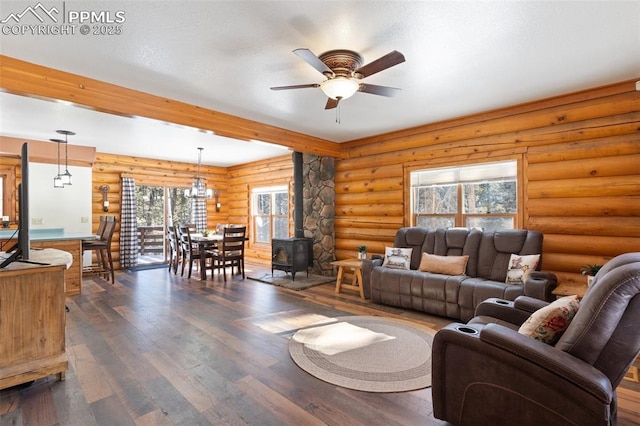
(2, 196)
(270, 213)
(7, 188)
(483, 196)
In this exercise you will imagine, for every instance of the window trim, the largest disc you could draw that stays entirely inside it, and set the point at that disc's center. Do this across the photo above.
(273, 187)
(521, 217)
(9, 189)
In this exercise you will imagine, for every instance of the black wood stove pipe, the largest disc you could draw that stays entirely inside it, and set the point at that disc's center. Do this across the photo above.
(298, 185)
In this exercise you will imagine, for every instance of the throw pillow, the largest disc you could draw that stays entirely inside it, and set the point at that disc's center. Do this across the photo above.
(448, 265)
(399, 258)
(520, 267)
(547, 324)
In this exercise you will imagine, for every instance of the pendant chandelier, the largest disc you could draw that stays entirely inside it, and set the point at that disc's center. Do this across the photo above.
(198, 187)
(62, 179)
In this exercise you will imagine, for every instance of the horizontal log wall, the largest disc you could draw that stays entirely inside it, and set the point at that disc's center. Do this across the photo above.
(275, 171)
(580, 157)
(578, 154)
(109, 169)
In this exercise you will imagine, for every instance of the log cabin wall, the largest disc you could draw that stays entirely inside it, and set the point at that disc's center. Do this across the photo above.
(109, 169)
(570, 148)
(245, 177)
(580, 171)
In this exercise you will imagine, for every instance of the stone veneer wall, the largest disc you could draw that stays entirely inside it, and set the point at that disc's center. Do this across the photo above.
(319, 210)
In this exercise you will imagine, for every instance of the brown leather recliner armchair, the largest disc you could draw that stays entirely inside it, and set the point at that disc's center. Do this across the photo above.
(486, 373)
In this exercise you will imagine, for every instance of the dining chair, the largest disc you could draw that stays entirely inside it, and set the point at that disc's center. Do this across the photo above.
(190, 252)
(174, 254)
(230, 251)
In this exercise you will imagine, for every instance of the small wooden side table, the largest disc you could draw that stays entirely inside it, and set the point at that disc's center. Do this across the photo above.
(356, 283)
(567, 289)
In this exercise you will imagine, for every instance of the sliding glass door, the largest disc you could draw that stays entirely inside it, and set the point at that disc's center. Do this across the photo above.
(156, 208)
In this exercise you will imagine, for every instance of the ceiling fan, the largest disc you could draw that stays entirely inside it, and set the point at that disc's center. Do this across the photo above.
(344, 70)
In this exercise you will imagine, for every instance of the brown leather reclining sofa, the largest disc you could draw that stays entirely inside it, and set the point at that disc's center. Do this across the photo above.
(456, 296)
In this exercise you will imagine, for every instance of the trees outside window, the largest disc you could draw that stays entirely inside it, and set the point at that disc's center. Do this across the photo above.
(270, 213)
(156, 208)
(483, 196)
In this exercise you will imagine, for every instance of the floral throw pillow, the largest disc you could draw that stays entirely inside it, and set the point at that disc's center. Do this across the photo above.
(399, 258)
(520, 267)
(547, 324)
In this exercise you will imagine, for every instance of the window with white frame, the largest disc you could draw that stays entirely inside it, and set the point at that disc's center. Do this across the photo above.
(270, 213)
(481, 195)
(2, 196)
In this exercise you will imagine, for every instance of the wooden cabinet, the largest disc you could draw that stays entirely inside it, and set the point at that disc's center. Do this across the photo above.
(32, 324)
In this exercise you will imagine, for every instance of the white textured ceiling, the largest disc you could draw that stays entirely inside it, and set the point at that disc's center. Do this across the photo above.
(461, 58)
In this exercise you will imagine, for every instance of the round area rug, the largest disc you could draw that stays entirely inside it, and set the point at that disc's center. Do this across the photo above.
(372, 354)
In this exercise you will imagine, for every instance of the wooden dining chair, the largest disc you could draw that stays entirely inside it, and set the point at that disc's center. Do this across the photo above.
(230, 251)
(190, 252)
(174, 254)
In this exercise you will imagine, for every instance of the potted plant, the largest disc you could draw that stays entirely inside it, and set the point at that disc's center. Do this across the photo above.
(362, 252)
(590, 271)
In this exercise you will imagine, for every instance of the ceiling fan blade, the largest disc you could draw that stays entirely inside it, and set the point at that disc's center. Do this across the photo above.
(381, 64)
(296, 86)
(378, 90)
(331, 103)
(311, 58)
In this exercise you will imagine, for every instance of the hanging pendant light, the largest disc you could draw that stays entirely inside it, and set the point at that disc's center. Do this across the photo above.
(66, 176)
(57, 179)
(198, 187)
(62, 179)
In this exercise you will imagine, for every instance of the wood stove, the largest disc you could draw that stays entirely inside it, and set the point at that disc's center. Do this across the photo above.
(292, 255)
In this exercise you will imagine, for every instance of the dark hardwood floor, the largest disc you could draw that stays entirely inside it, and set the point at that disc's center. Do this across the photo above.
(158, 349)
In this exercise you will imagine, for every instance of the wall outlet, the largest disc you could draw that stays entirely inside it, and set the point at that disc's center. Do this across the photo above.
(84, 219)
(37, 221)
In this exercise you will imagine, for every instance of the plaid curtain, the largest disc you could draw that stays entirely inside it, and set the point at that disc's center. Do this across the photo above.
(128, 225)
(199, 210)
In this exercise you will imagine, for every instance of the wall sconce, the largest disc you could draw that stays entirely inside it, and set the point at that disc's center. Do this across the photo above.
(216, 195)
(105, 202)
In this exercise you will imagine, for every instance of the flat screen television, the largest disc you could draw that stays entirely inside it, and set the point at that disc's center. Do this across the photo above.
(20, 250)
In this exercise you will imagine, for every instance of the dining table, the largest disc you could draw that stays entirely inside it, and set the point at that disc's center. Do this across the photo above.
(205, 242)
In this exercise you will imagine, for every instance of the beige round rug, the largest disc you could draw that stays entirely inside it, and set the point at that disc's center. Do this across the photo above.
(372, 354)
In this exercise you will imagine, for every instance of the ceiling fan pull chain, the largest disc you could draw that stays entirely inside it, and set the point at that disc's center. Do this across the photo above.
(338, 112)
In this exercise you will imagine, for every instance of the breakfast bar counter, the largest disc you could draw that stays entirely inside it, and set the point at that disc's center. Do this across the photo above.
(56, 238)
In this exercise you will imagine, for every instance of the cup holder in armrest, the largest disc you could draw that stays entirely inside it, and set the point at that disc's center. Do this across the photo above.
(502, 302)
(466, 330)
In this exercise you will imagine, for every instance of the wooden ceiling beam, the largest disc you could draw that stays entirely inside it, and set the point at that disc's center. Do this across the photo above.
(27, 79)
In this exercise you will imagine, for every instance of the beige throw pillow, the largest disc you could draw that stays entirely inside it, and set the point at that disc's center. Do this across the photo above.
(547, 324)
(448, 265)
(520, 267)
(399, 258)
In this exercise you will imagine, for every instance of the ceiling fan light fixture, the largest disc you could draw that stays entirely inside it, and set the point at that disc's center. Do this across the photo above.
(340, 87)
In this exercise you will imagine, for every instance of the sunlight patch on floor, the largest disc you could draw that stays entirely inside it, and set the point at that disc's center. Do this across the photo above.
(287, 321)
